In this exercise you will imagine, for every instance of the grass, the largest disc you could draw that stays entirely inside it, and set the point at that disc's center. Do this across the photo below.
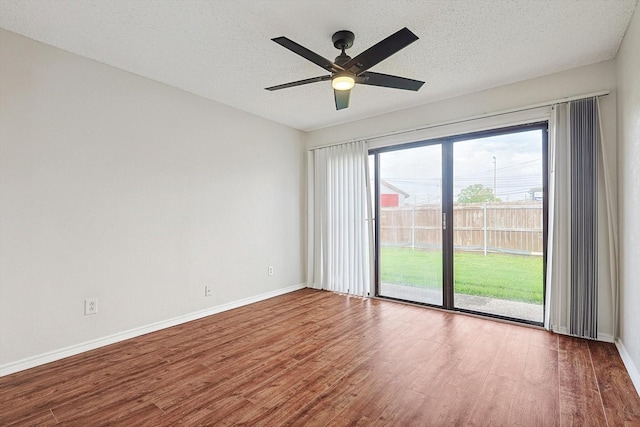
(510, 277)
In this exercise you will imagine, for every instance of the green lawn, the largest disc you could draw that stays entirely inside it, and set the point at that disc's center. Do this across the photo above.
(511, 277)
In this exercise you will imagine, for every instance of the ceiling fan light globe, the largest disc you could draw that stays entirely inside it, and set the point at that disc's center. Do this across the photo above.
(343, 82)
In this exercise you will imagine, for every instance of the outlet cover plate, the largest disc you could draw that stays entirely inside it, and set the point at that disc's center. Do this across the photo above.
(90, 306)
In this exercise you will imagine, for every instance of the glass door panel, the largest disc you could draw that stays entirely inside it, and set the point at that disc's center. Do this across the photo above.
(498, 225)
(410, 224)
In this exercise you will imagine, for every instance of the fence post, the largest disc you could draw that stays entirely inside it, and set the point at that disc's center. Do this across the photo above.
(413, 227)
(484, 216)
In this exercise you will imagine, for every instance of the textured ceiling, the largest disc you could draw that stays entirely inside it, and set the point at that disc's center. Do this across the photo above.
(221, 49)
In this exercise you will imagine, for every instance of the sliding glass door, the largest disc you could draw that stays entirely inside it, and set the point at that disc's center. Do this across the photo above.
(461, 222)
(498, 225)
(409, 221)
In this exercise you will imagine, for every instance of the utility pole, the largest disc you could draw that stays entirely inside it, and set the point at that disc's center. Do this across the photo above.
(495, 194)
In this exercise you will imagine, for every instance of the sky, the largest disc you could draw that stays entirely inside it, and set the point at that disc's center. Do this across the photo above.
(518, 167)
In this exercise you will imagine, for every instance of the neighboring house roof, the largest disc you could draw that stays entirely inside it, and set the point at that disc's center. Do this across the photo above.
(394, 188)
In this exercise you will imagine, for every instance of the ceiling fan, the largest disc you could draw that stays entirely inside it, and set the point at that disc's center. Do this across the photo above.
(347, 71)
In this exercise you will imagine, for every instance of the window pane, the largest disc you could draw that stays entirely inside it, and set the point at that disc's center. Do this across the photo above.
(410, 230)
(498, 225)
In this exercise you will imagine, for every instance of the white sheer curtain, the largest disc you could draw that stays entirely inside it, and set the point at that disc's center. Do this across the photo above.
(609, 178)
(573, 247)
(559, 228)
(339, 234)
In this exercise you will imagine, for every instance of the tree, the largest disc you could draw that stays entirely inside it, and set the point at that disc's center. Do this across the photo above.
(477, 193)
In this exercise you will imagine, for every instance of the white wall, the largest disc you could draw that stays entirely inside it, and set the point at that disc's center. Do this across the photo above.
(117, 187)
(576, 82)
(628, 62)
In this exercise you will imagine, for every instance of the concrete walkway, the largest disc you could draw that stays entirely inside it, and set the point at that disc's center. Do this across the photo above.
(514, 309)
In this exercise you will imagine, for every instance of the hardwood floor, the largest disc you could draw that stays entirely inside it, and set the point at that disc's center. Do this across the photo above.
(319, 358)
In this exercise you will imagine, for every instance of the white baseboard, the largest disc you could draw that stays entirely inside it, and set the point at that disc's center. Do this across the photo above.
(606, 338)
(562, 330)
(52, 356)
(632, 369)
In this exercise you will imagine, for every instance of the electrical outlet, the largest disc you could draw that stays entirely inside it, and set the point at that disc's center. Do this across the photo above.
(207, 291)
(90, 306)
(270, 270)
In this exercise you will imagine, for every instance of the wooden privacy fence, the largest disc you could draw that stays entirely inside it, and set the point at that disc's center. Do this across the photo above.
(508, 227)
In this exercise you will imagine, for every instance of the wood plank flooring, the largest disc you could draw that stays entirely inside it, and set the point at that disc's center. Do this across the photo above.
(319, 358)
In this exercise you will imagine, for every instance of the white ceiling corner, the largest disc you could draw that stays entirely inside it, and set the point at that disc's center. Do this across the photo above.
(195, 45)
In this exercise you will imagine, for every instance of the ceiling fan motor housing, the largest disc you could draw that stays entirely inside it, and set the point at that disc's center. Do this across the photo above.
(342, 59)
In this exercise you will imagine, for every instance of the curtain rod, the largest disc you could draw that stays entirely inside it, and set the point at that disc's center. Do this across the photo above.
(472, 118)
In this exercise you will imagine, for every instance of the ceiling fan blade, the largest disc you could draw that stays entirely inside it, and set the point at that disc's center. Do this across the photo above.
(380, 51)
(307, 54)
(300, 82)
(342, 98)
(386, 80)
